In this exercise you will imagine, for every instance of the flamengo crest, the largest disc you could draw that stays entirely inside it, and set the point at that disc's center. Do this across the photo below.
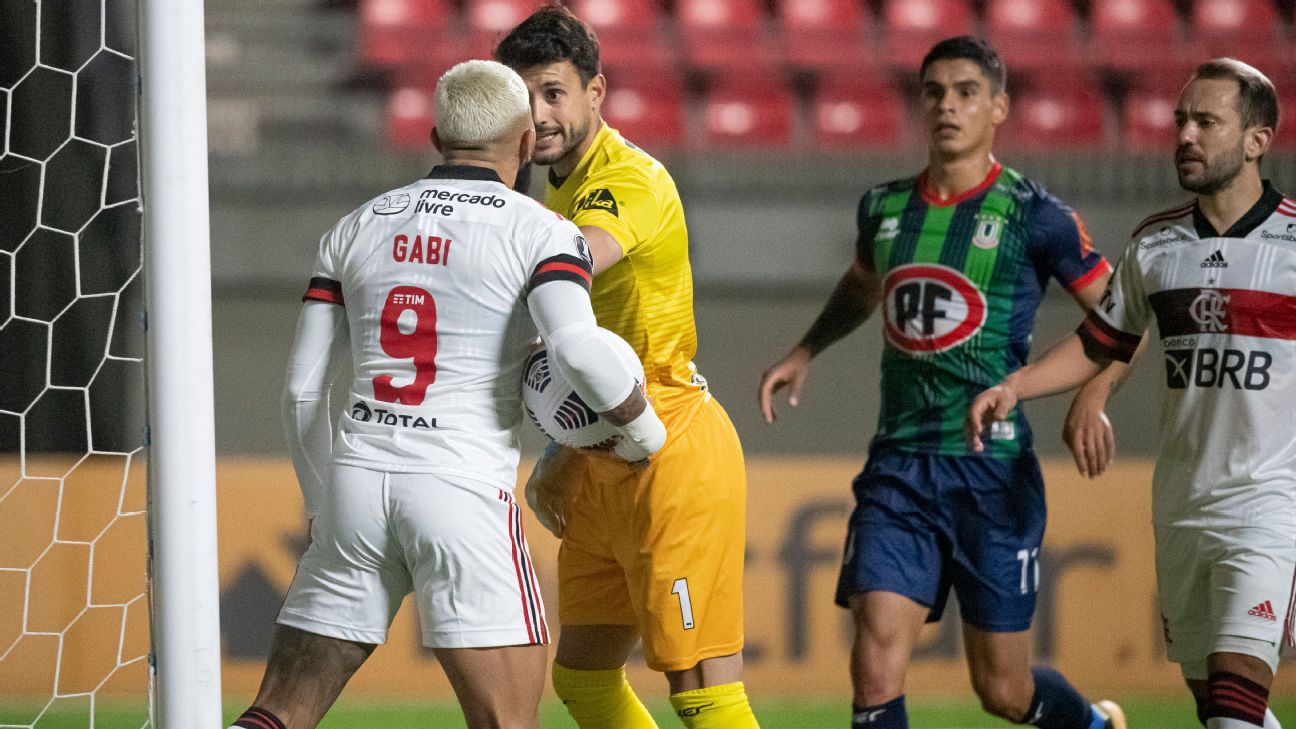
(930, 308)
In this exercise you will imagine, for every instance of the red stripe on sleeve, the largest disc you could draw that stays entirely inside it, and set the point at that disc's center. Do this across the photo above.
(328, 297)
(1094, 274)
(569, 268)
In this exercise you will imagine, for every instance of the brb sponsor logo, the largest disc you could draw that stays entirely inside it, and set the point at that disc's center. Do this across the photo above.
(1209, 367)
(365, 414)
(930, 308)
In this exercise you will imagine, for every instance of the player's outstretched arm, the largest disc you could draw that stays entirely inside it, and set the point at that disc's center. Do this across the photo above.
(319, 351)
(1064, 367)
(856, 296)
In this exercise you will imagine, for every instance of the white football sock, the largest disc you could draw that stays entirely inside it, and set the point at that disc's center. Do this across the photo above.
(1271, 721)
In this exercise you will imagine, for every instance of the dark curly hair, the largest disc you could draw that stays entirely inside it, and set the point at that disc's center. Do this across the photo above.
(551, 35)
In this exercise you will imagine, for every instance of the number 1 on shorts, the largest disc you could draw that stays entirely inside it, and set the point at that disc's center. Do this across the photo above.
(686, 605)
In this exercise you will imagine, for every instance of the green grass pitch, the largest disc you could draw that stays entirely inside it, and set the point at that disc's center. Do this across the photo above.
(1144, 713)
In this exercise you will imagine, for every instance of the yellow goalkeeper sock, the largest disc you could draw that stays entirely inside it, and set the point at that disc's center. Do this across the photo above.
(600, 699)
(718, 707)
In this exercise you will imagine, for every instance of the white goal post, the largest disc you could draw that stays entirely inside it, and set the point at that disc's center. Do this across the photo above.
(182, 460)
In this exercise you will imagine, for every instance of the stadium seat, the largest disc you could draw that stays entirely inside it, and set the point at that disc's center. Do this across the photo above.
(1249, 30)
(749, 111)
(397, 33)
(825, 34)
(1034, 35)
(1057, 114)
(629, 33)
(1286, 134)
(411, 112)
(853, 112)
(490, 20)
(723, 35)
(649, 112)
(914, 26)
(1147, 118)
(1137, 36)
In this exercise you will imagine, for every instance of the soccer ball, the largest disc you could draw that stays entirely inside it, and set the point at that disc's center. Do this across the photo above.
(556, 409)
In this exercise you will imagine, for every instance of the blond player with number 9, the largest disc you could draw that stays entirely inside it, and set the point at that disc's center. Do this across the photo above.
(436, 290)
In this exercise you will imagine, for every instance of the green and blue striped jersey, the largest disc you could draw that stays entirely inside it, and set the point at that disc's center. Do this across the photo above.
(962, 279)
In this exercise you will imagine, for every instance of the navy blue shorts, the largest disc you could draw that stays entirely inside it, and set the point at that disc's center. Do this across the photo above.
(925, 523)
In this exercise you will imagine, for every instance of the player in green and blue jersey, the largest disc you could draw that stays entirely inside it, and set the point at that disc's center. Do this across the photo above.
(958, 258)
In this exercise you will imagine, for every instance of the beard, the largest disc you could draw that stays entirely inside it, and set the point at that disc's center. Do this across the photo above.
(571, 140)
(1217, 175)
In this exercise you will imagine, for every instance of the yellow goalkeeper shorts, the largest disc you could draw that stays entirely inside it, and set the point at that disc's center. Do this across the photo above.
(661, 548)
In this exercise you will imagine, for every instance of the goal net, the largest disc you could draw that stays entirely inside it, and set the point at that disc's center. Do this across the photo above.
(74, 498)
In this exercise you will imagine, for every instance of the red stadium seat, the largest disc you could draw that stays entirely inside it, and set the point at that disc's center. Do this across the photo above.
(629, 33)
(1147, 119)
(407, 33)
(854, 112)
(411, 112)
(1285, 137)
(754, 111)
(490, 20)
(824, 34)
(649, 113)
(1137, 35)
(914, 26)
(723, 34)
(1057, 114)
(1034, 35)
(1245, 29)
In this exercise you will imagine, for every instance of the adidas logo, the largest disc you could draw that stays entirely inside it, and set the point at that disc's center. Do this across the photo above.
(1263, 610)
(1215, 260)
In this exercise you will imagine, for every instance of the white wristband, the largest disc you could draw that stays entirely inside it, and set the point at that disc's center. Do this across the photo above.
(641, 437)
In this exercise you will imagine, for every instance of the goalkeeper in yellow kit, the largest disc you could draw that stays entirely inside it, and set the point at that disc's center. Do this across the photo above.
(655, 551)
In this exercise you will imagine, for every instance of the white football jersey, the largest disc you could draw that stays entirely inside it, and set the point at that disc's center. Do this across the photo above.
(434, 277)
(1225, 308)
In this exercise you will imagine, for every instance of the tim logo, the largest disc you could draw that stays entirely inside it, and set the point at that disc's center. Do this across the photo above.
(600, 199)
(1209, 310)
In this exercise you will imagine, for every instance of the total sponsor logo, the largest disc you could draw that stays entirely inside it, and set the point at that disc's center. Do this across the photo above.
(365, 414)
(930, 308)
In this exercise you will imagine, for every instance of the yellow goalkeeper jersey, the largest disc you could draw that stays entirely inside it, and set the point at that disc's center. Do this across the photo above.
(647, 297)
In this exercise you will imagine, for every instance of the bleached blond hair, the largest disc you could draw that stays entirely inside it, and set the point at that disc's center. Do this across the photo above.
(479, 102)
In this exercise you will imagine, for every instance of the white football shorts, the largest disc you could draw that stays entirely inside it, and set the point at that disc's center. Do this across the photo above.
(1225, 590)
(457, 544)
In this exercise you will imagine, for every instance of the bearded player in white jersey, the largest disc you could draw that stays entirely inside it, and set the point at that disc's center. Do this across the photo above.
(436, 290)
(1219, 277)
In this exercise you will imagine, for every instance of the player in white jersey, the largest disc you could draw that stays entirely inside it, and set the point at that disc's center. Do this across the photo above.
(437, 290)
(1219, 277)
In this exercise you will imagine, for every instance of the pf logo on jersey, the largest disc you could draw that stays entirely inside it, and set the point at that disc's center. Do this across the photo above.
(930, 308)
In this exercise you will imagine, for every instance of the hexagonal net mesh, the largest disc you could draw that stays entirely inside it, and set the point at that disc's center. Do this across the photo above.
(74, 631)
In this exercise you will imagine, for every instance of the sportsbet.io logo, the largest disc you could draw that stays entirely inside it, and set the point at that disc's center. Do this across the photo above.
(930, 308)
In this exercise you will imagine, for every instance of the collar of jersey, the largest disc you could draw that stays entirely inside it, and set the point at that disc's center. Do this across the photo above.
(929, 195)
(1260, 212)
(464, 172)
(600, 138)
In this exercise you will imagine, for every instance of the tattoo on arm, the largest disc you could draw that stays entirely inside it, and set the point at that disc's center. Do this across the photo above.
(848, 306)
